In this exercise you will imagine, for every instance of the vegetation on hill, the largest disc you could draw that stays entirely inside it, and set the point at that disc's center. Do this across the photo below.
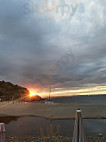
(9, 91)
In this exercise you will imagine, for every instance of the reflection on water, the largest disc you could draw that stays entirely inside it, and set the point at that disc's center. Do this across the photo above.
(30, 126)
(26, 126)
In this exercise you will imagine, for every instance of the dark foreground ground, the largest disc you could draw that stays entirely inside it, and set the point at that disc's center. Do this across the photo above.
(53, 139)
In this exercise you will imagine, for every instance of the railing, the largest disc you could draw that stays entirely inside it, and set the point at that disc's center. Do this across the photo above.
(78, 133)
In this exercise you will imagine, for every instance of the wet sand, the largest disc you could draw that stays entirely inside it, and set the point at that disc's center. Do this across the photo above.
(52, 111)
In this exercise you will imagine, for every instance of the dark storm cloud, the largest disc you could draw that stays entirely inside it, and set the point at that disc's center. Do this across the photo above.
(68, 53)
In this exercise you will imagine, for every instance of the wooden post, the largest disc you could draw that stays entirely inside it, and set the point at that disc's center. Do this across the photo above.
(2, 132)
(78, 134)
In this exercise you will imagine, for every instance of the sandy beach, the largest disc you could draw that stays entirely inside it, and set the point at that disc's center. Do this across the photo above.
(52, 111)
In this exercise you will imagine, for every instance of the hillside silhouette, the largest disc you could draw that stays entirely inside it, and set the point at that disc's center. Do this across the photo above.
(9, 91)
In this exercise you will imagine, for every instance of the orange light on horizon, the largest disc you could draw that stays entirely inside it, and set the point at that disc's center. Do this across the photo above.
(32, 94)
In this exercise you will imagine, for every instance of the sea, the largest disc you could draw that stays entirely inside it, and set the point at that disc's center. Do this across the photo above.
(89, 99)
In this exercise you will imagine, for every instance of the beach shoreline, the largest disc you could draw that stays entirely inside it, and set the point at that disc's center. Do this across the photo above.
(52, 111)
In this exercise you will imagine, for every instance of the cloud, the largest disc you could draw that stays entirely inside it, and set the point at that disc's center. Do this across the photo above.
(70, 52)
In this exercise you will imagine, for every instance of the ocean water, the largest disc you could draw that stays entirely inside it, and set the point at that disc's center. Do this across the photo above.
(81, 99)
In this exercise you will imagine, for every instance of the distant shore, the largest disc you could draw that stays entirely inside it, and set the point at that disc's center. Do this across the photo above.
(52, 111)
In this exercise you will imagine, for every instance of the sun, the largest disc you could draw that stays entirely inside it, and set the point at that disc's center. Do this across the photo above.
(32, 94)
(92, 3)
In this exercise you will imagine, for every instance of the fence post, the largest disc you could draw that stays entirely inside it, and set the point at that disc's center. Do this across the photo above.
(78, 133)
(2, 132)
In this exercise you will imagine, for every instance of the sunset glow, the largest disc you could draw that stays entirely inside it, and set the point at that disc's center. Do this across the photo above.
(32, 94)
(56, 92)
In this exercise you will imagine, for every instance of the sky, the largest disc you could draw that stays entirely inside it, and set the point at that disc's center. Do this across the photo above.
(57, 45)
